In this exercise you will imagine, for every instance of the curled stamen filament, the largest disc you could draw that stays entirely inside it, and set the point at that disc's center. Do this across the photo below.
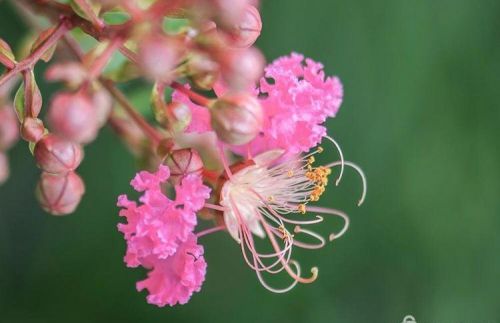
(210, 230)
(344, 216)
(358, 170)
(341, 155)
(305, 245)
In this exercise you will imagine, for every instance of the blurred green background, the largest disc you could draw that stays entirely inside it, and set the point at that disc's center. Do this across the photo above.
(421, 116)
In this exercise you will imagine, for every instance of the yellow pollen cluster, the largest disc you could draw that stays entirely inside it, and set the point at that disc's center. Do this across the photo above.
(285, 235)
(302, 208)
(318, 175)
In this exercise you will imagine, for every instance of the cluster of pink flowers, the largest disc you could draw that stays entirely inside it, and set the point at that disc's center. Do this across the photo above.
(234, 144)
(160, 236)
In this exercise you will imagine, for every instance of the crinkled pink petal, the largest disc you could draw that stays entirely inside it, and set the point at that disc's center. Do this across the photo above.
(173, 280)
(192, 193)
(159, 225)
(297, 100)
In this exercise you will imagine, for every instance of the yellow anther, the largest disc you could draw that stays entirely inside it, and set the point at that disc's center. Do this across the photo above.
(285, 235)
(302, 208)
(270, 198)
(289, 173)
(320, 149)
(311, 160)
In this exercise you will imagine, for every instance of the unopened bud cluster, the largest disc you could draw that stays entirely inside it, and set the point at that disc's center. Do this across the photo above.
(206, 42)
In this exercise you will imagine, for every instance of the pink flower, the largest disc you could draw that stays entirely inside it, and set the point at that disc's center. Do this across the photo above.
(297, 98)
(174, 279)
(160, 225)
(298, 101)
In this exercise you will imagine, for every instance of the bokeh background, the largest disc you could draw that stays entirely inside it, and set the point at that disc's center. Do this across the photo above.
(421, 116)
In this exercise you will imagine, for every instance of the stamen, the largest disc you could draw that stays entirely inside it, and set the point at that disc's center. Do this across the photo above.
(215, 207)
(344, 216)
(302, 208)
(341, 159)
(222, 155)
(359, 171)
(210, 230)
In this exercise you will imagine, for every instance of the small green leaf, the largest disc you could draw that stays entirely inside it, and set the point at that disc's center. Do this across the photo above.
(23, 107)
(115, 17)
(79, 10)
(19, 103)
(174, 25)
(6, 50)
(41, 39)
(158, 104)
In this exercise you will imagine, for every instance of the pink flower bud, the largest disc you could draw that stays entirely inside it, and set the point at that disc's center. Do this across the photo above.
(60, 194)
(9, 127)
(247, 30)
(228, 12)
(158, 56)
(4, 168)
(183, 162)
(103, 103)
(32, 129)
(73, 117)
(243, 68)
(72, 73)
(57, 155)
(236, 118)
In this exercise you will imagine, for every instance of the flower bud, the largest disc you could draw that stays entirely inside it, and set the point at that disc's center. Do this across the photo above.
(4, 168)
(247, 30)
(60, 194)
(183, 162)
(243, 68)
(227, 12)
(158, 57)
(73, 117)
(9, 128)
(32, 129)
(72, 73)
(56, 155)
(236, 118)
(203, 71)
(103, 103)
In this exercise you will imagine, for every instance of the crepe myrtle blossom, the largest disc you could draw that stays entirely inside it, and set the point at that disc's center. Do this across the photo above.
(296, 99)
(230, 140)
(265, 197)
(159, 235)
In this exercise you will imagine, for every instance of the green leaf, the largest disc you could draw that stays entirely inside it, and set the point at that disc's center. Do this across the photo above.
(174, 25)
(31, 108)
(19, 103)
(158, 104)
(40, 40)
(94, 6)
(6, 50)
(115, 17)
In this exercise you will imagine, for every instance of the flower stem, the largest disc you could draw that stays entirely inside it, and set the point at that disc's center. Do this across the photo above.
(151, 132)
(28, 63)
(195, 97)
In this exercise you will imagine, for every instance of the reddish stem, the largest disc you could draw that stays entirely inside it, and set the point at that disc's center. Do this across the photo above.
(100, 63)
(87, 9)
(195, 97)
(7, 62)
(151, 132)
(34, 57)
